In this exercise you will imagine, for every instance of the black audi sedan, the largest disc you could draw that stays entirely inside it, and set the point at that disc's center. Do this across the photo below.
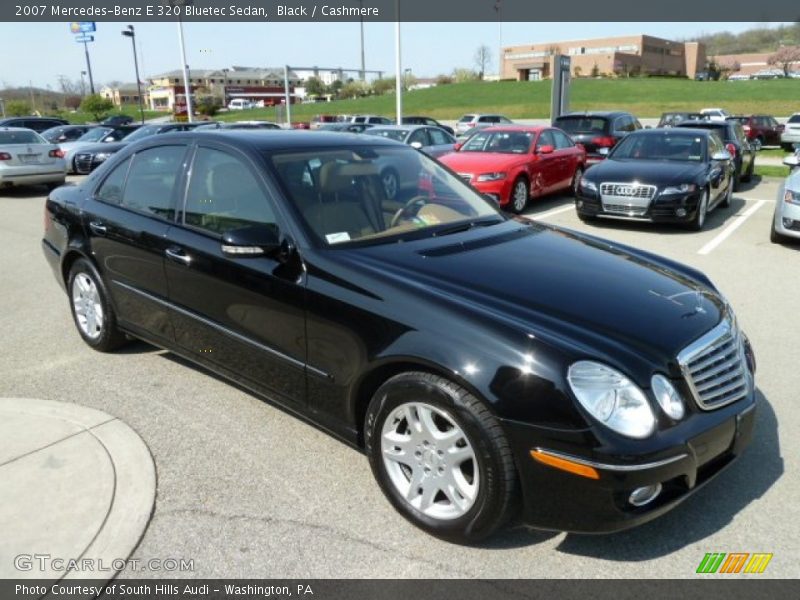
(451, 343)
(670, 175)
(733, 136)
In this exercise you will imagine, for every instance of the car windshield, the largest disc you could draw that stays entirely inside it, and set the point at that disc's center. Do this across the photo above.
(398, 135)
(685, 148)
(142, 132)
(466, 119)
(8, 138)
(504, 142)
(581, 124)
(378, 194)
(95, 134)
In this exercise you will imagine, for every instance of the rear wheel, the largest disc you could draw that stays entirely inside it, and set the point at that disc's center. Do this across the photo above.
(519, 195)
(440, 457)
(91, 310)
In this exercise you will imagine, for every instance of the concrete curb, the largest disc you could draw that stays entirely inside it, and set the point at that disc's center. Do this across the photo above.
(77, 484)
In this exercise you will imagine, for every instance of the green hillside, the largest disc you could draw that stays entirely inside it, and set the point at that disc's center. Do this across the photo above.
(643, 97)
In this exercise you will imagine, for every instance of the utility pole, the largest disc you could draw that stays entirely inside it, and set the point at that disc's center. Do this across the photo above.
(398, 84)
(363, 62)
(89, 67)
(131, 33)
(186, 87)
(288, 97)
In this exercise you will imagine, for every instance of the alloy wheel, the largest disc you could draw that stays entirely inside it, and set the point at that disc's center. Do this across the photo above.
(520, 195)
(430, 460)
(87, 305)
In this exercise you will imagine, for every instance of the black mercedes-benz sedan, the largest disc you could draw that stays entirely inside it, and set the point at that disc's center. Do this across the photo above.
(451, 343)
(661, 175)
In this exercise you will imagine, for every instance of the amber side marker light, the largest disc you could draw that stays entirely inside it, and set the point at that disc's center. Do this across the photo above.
(565, 465)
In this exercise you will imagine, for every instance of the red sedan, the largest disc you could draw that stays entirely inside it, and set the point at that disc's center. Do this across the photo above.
(515, 163)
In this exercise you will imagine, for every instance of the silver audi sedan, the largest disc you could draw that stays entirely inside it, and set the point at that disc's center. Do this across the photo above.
(26, 158)
(786, 222)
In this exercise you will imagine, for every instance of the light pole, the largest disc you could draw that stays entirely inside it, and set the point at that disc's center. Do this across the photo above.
(225, 87)
(3, 108)
(129, 32)
(180, 4)
(398, 84)
(83, 83)
(363, 63)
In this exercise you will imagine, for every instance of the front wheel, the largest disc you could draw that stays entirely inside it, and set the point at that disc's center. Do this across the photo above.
(774, 236)
(440, 457)
(726, 201)
(91, 310)
(519, 195)
(699, 220)
(576, 181)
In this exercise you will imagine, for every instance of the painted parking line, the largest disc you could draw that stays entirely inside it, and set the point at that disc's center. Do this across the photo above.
(551, 213)
(725, 233)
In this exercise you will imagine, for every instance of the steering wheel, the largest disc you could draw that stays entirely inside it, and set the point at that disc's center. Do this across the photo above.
(402, 213)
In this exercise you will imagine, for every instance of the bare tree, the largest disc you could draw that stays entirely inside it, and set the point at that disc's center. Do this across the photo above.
(784, 57)
(69, 86)
(483, 59)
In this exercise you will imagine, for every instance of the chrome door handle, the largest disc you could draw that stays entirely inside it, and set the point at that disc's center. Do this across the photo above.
(98, 227)
(178, 256)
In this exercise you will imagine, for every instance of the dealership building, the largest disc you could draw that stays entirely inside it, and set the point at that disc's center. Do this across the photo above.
(256, 85)
(613, 56)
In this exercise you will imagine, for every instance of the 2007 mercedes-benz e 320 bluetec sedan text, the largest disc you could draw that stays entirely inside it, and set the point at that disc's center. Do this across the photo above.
(453, 344)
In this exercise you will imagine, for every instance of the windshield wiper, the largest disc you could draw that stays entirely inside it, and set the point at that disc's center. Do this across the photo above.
(466, 226)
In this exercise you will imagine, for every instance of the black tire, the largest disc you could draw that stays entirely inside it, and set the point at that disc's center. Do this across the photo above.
(726, 201)
(496, 497)
(586, 218)
(774, 236)
(737, 177)
(787, 147)
(109, 337)
(699, 220)
(576, 180)
(515, 206)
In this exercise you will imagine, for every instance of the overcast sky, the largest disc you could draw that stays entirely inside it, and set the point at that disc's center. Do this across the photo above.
(40, 52)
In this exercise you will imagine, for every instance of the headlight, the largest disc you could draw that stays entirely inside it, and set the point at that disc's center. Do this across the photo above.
(791, 197)
(683, 188)
(588, 185)
(667, 397)
(101, 156)
(491, 176)
(611, 398)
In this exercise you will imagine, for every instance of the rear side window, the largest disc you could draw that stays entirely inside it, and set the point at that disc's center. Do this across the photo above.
(573, 125)
(151, 182)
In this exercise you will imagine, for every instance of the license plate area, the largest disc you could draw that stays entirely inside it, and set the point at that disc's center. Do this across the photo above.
(30, 159)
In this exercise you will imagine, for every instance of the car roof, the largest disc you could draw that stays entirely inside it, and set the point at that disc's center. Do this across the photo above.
(703, 124)
(677, 130)
(409, 127)
(11, 128)
(283, 139)
(597, 113)
(517, 128)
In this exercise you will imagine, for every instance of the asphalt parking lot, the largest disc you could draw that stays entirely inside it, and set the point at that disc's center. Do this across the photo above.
(246, 490)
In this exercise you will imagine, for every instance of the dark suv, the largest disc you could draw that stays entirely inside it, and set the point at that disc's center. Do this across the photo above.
(38, 124)
(733, 135)
(597, 132)
(761, 130)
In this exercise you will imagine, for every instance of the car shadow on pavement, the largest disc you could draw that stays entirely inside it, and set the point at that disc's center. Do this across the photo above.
(25, 191)
(702, 514)
(716, 219)
(746, 186)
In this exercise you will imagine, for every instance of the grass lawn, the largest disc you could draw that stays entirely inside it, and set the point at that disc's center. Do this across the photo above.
(646, 97)
(770, 171)
(77, 118)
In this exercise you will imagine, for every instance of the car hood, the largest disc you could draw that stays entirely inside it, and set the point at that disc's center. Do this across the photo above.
(482, 162)
(555, 283)
(654, 172)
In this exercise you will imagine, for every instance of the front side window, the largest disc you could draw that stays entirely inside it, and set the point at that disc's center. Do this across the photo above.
(152, 178)
(398, 135)
(420, 136)
(562, 141)
(545, 139)
(110, 191)
(439, 137)
(224, 194)
(375, 193)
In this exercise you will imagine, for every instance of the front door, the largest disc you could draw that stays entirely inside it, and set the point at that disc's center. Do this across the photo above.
(243, 314)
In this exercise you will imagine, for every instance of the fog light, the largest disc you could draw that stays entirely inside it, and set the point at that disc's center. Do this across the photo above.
(681, 212)
(788, 223)
(644, 495)
(580, 203)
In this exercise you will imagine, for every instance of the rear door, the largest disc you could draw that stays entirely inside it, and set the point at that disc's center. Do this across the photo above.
(126, 219)
(546, 172)
(244, 314)
(568, 158)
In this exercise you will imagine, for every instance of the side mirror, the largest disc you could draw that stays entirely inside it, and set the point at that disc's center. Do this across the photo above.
(720, 156)
(417, 145)
(457, 146)
(251, 241)
(792, 161)
(547, 149)
(603, 151)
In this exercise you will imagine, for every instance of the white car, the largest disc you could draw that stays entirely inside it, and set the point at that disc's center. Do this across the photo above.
(715, 114)
(786, 220)
(26, 158)
(739, 77)
(791, 134)
(240, 104)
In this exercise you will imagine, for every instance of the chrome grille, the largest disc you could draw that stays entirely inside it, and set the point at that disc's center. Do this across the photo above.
(715, 367)
(625, 210)
(628, 190)
(83, 163)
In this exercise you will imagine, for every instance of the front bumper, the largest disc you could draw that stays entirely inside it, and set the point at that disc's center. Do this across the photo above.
(500, 189)
(787, 218)
(558, 500)
(674, 208)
